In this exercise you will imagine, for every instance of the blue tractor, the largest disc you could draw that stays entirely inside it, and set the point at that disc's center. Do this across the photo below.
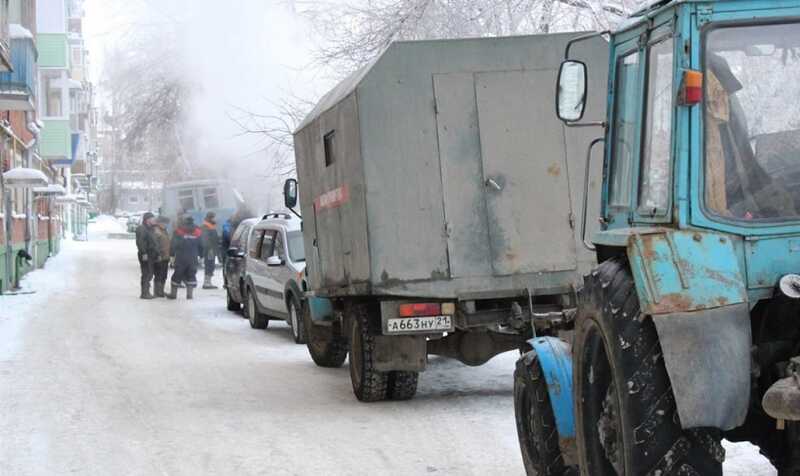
(688, 330)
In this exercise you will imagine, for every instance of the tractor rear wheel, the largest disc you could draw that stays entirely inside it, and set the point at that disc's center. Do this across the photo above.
(627, 420)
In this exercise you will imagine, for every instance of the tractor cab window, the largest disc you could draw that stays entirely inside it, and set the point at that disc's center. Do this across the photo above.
(625, 129)
(752, 128)
(657, 135)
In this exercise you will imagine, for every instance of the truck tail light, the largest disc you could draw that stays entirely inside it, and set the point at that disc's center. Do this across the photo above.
(420, 309)
(692, 91)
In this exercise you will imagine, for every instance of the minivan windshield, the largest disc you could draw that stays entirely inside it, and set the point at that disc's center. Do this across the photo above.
(297, 252)
(752, 125)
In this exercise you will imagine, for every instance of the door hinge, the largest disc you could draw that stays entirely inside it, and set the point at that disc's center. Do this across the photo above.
(435, 106)
(571, 218)
(704, 13)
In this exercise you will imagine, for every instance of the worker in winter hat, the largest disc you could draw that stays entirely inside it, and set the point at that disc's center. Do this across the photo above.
(147, 251)
(161, 266)
(185, 247)
(210, 248)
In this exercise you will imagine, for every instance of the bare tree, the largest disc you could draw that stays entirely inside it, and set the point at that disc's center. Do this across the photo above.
(351, 33)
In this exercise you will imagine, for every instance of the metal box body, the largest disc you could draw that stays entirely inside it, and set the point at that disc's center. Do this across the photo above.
(447, 175)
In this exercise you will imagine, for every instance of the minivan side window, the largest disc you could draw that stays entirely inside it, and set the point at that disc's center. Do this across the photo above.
(255, 243)
(267, 244)
(280, 250)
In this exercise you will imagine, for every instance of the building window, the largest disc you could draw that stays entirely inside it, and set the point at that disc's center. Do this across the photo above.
(52, 97)
(210, 197)
(186, 199)
(329, 141)
(77, 56)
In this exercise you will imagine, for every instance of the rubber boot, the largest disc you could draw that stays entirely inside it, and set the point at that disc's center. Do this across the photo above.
(146, 292)
(207, 284)
(173, 291)
(189, 292)
(158, 290)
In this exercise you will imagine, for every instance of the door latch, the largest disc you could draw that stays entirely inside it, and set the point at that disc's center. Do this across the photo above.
(492, 183)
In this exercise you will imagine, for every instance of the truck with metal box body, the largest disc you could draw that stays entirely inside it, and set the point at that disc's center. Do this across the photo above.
(440, 198)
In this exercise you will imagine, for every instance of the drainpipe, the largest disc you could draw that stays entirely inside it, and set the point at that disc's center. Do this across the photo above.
(6, 207)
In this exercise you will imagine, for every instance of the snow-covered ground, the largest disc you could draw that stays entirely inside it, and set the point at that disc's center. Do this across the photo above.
(96, 381)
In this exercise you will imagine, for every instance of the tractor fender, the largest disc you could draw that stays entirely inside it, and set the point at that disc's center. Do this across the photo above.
(555, 358)
(691, 284)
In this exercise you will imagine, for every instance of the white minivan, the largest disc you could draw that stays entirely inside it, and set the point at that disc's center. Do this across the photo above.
(274, 279)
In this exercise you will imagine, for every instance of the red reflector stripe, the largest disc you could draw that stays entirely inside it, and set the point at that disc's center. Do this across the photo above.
(420, 309)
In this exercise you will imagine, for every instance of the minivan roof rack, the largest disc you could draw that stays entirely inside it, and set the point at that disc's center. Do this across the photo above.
(278, 215)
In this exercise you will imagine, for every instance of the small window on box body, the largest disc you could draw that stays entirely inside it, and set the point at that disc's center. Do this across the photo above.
(329, 140)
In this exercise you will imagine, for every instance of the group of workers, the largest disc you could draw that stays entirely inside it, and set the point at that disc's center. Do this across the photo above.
(187, 245)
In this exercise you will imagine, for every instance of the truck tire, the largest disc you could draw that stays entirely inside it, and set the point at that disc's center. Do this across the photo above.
(369, 384)
(627, 420)
(257, 320)
(402, 385)
(296, 321)
(233, 306)
(327, 349)
(536, 424)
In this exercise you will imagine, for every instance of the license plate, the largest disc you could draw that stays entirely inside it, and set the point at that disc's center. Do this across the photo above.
(419, 324)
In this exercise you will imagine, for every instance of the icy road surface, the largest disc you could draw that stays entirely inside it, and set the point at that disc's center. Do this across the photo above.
(95, 381)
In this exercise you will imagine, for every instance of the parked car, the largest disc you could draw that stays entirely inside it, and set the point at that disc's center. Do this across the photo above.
(133, 222)
(274, 273)
(235, 263)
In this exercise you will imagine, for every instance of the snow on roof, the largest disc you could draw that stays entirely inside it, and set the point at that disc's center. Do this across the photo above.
(134, 185)
(17, 31)
(52, 189)
(23, 176)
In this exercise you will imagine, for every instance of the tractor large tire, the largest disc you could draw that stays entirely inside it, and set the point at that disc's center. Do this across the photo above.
(402, 385)
(369, 384)
(536, 424)
(327, 346)
(627, 420)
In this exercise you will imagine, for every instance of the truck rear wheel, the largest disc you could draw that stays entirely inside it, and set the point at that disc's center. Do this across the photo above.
(627, 420)
(402, 385)
(369, 384)
(327, 347)
(536, 424)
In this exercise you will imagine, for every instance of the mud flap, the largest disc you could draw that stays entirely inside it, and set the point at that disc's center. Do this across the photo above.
(321, 309)
(707, 355)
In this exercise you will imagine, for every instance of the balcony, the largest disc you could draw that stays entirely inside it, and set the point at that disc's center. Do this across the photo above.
(17, 86)
(55, 142)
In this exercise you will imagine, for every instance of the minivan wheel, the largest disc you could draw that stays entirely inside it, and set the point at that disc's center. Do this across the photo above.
(257, 320)
(296, 322)
(233, 305)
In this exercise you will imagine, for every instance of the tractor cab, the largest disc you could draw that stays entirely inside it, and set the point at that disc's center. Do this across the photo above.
(686, 332)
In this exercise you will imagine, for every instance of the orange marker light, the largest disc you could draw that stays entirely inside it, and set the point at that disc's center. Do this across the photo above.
(692, 88)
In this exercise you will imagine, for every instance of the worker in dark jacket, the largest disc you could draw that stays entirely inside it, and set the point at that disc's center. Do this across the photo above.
(147, 251)
(186, 247)
(210, 248)
(161, 266)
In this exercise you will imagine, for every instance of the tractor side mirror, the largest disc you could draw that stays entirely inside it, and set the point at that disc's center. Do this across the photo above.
(571, 93)
(290, 193)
